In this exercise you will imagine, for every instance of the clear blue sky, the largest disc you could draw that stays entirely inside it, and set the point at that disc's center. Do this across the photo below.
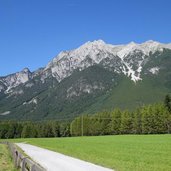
(32, 32)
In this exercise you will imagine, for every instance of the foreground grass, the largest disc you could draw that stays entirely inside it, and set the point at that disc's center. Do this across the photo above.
(122, 152)
(6, 163)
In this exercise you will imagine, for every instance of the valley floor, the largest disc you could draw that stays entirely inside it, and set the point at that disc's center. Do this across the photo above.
(120, 152)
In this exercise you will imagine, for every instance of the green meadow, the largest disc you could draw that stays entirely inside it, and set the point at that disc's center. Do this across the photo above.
(120, 152)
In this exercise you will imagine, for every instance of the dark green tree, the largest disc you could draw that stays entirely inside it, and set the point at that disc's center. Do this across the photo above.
(126, 123)
(167, 102)
(56, 129)
(137, 121)
(115, 121)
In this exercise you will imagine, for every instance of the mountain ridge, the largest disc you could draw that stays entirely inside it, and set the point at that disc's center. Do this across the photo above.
(94, 76)
(92, 49)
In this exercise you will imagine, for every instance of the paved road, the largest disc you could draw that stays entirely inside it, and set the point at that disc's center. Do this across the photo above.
(53, 161)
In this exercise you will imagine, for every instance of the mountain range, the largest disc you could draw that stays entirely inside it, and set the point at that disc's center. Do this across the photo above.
(94, 77)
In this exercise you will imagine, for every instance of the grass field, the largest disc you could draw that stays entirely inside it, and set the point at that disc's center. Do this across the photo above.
(122, 152)
(6, 163)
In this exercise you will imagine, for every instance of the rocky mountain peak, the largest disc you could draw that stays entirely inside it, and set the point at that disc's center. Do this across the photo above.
(95, 43)
(13, 80)
(127, 59)
(26, 70)
(96, 51)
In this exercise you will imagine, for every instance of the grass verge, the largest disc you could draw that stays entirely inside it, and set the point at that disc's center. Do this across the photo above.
(6, 163)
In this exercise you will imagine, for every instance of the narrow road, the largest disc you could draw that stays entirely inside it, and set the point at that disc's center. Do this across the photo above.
(53, 161)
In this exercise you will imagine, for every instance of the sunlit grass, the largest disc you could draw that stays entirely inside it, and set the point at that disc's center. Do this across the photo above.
(122, 152)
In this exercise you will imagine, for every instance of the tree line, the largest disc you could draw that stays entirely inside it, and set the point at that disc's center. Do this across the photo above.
(14, 129)
(149, 119)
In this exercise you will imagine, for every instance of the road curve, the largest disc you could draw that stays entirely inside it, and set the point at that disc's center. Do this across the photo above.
(53, 161)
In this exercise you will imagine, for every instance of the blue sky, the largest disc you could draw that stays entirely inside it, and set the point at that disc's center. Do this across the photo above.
(32, 32)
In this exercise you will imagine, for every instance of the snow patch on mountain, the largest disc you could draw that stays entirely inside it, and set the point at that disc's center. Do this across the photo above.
(5, 113)
(128, 71)
(33, 101)
(28, 85)
(154, 70)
